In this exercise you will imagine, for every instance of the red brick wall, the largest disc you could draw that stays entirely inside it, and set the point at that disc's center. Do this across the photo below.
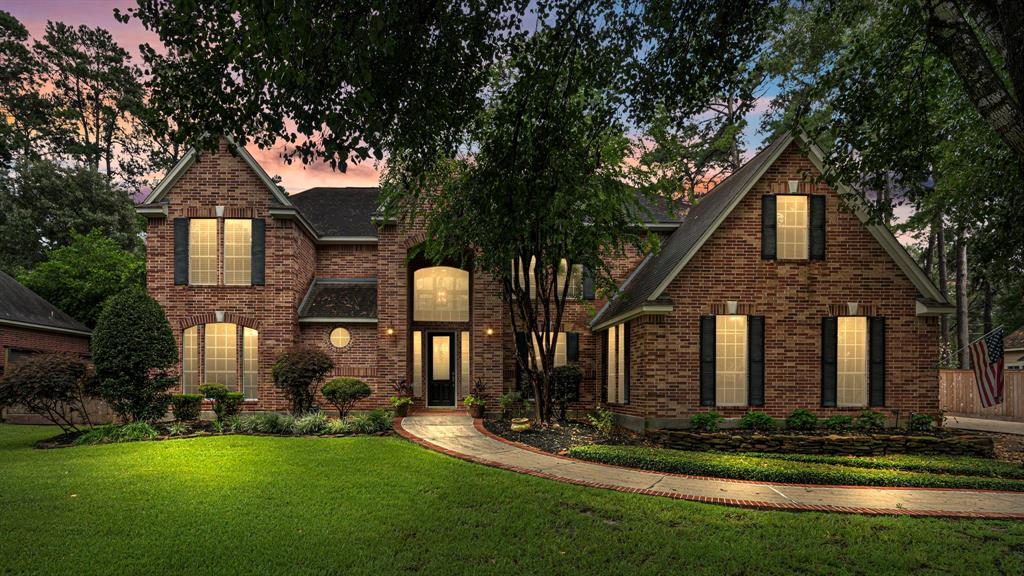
(793, 296)
(346, 261)
(39, 341)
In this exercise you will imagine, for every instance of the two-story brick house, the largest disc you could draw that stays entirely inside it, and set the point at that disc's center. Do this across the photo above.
(766, 295)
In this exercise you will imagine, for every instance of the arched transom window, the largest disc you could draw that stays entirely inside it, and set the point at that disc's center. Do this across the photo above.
(441, 294)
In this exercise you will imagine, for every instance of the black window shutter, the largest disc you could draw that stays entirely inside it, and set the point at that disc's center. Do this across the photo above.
(181, 250)
(588, 284)
(572, 346)
(817, 249)
(625, 356)
(259, 233)
(829, 336)
(755, 360)
(876, 373)
(769, 225)
(707, 360)
(521, 350)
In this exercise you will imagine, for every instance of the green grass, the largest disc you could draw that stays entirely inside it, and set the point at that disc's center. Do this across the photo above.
(891, 471)
(959, 465)
(372, 505)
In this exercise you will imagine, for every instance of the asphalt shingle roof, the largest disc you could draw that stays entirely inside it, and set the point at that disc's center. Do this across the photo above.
(339, 211)
(19, 304)
(1014, 340)
(332, 298)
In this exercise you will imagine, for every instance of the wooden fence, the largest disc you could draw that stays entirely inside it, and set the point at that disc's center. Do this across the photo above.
(958, 395)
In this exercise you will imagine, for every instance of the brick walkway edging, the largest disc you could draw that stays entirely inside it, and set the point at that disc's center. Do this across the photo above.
(758, 505)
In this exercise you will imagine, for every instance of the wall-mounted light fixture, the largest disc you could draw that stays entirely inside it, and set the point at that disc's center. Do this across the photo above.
(489, 331)
(390, 331)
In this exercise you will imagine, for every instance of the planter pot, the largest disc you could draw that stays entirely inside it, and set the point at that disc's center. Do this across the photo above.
(402, 410)
(520, 424)
(476, 410)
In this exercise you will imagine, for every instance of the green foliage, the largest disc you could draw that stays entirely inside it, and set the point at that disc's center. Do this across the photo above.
(510, 403)
(399, 401)
(177, 428)
(957, 465)
(801, 419)
(187, 407)
(372, 422)
(921, 422)
(838, 423)
(116, 433)
(602, 420)
(766, 469)
(214, 391)
(471, 401)
(233, 423)
(757, 421)
(54, 386)
(311, 424)
(566, 387)
(79, 277)
(336, 427)
(134, 350)
(706, 421)
(869, 421)
(225, 402)
(343, 393)
(297, 373)
(268, 423)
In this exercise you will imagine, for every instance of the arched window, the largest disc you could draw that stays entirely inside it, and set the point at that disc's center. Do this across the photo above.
(230, 357)
(441, 294)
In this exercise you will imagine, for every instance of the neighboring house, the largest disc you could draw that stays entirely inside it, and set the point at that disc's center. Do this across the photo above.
(30, 325)
(1013, 350)
(766, 296)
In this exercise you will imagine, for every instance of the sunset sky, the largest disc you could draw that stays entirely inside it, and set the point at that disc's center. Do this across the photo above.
(295, 177)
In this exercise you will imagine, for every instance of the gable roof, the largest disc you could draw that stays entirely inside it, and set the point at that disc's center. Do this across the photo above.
(340, 300)
(643, 291)
(20, 306)
(339, 211)
(1014, 340)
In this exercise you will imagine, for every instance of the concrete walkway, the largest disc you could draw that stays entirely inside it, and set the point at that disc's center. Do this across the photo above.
(460, 437)
(985, 425)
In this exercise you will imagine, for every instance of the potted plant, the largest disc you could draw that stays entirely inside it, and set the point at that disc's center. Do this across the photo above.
(402, 400)
(475, 400)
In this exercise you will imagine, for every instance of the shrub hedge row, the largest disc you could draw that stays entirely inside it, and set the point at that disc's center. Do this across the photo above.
(959, 465)
(747, 467)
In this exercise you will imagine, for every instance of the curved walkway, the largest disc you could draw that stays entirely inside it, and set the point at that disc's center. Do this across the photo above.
(461, 437)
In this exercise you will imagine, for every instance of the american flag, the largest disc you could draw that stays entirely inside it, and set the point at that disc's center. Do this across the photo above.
(987, 360)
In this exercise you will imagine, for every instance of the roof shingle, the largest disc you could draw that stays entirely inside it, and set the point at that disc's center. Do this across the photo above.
(341, 299)
(20, 305)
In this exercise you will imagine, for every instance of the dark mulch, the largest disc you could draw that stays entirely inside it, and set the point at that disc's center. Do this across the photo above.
(1009, 447)
(558, 438)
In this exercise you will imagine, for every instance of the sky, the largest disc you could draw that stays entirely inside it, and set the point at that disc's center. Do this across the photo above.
(295, 177)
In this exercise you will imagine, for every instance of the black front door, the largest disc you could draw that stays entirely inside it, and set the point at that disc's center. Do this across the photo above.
(441, 369)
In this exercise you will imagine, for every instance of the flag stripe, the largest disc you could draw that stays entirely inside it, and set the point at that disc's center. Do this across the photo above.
(987, 361)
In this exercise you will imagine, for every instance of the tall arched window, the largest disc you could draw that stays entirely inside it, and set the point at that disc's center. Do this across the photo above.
(441, 294)
(230, 357)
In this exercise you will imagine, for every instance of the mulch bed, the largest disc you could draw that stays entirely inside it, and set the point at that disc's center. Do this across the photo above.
(559, 437)
(1009, 447)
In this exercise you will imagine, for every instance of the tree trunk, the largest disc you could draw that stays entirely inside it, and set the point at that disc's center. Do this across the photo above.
(986, 311)
(962, 325)
(929, 254)
(940, 255)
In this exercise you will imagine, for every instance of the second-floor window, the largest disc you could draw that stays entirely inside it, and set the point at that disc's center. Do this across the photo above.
(440, 294)
(202, 251)
(212, 251)
(237, 252)
(530, 275)
(791, 214)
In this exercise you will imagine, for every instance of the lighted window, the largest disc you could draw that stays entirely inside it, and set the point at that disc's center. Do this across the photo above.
(237, 252)
(731, 360)
(417, 363)
(221, 348)
(575, 282)
(202, 251)
(792, 240)
(340, 337)
(190, 360)
(250, 362)
(561, 356)
(852, 361)
(441, 294)
(440, 349)
(464, 362)
(615, 358)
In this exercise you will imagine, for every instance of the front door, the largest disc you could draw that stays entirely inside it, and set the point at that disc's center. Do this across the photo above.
(441, 369)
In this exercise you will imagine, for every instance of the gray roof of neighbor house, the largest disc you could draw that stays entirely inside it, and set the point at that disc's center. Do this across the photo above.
(1014, 340)
(340, 300)
(20, 306)
(339, 211)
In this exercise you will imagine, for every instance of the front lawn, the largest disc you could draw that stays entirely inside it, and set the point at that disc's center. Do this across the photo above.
(372, 505)
(920, 471)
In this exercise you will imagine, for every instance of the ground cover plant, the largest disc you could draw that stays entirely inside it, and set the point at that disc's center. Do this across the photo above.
(381, 505)
(788, 468)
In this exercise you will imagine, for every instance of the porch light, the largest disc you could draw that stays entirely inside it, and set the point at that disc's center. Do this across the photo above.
(489, 331)
(390, 331)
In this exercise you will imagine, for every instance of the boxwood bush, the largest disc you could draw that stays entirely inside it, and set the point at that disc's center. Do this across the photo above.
(343, 393)
(839, 423)
(801, 419)
(706, 421)
(187, 407)
(757, 421)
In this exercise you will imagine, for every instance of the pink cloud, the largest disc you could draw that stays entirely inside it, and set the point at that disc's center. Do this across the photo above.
(296, 177)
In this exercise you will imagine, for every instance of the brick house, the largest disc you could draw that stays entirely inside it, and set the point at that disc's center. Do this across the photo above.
(766, 295)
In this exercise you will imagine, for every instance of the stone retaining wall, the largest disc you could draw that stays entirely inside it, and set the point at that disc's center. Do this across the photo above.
(852, 445)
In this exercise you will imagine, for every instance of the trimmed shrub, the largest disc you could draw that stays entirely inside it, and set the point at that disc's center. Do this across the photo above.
(838, 423)
(54, 386)
(757, 421)
(706, 421)
(297, 373)
(134, 352)
(310, 424)
(225, 402)
(870, 420)
(343, 393)
(921, 422)
(801, 419)
(116, 433)
(214, 391)
(187, 407)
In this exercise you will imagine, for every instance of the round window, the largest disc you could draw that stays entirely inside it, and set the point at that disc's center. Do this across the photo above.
(340, 337)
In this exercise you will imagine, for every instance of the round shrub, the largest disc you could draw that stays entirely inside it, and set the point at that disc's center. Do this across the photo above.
(343, 393)
(757, 421)
(134, 351)
(801, 419)
(214, 391)
(297, 372)
(54, 386)
(187, 406)
(230, 406)
(706, 421)
(921, 422)
(839, 423)
(869, 421)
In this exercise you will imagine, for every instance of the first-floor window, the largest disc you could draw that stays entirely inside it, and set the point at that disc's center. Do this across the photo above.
(464, 362)
(731, 360)
(190, 360)
(223, 345)
(617, 365)
(417, 363)
(250, 362)
(852, 361)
